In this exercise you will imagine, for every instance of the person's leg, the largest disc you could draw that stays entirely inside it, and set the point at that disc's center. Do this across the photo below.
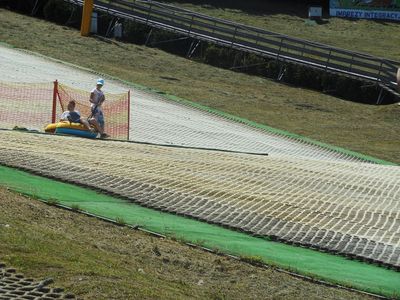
(92, 121)
(100, 120)
(85, 123)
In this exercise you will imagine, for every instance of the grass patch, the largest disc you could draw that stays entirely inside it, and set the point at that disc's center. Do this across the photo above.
(97, 260)
(75, 207)
(53, 201)
(316, 264)
(253, 260)
(371, 130)
(120, 221)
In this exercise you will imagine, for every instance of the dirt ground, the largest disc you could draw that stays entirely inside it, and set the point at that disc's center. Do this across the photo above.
(97, 260)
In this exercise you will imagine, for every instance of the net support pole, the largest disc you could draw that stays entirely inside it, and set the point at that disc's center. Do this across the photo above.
(129, 112)
(55, 92)
(86, 17)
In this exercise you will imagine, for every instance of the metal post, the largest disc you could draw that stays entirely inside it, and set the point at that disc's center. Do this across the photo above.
(234, 36)
(351, 64)
(129, 112)
(148, 15)
(190, 49)
(258, 36)
(379, 72)
(281, 72)
(279, 51)
(302, 51)
(110, 27)
(54, 110)
(329, 57)
(148, 37)
(193, 49)
(86, 17)
(191, 24)
(380, 98)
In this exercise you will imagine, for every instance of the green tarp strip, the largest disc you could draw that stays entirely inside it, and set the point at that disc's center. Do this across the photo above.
(332, 268)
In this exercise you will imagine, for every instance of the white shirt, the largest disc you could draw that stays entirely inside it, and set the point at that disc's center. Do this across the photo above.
(98, 96)
(66, 114)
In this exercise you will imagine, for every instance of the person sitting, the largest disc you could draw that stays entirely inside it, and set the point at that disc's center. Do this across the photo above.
(73, 116)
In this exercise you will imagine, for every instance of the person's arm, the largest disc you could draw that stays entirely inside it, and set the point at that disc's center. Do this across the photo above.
(91, 98)
(64, 116)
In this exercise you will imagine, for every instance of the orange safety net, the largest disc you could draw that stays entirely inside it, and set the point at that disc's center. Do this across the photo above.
(25, 104)
(34, 105)
(115, 109)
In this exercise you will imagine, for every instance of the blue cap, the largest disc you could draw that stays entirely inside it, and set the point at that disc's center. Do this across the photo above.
(100, 81)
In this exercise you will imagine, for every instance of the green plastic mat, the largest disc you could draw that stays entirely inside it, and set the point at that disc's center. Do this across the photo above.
(331, 268)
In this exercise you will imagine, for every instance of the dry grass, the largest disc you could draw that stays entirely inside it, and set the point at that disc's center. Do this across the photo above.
(372, 130)
(98, 260)
(288, 17)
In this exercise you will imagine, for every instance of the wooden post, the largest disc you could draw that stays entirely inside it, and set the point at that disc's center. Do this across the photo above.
(54, 110)
(86, 17)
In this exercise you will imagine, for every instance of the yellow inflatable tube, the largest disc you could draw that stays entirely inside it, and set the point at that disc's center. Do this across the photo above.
(51, 128)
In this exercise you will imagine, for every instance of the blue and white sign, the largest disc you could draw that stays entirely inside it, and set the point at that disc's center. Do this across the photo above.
(365, 9)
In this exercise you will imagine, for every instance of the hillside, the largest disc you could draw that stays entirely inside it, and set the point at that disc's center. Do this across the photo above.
(376, 37)
(368, 129)
(97, 260)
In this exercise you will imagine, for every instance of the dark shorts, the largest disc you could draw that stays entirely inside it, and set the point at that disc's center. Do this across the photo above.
(98, 115)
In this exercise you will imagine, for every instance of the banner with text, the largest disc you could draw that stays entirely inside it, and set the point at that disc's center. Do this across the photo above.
(365, 9)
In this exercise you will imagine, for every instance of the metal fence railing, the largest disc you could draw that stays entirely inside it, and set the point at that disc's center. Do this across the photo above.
(252, 39)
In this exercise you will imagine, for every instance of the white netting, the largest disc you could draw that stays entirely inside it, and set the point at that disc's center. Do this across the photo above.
(155, 120)
(299, 193)
(348, 207)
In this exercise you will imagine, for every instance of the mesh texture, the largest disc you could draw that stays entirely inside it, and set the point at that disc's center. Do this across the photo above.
(31, 105)
(115, 109)
(350, 208)
(25, 105)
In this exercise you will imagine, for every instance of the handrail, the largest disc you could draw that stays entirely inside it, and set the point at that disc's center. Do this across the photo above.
(252, 39)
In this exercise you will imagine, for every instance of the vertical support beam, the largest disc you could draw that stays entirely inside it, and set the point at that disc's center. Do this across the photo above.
(380, 97)
(234, 36)
(329, 57)
(280, 47)
(129, 112)
(148, 37)
(54, 110)
(379, 72)
(190, 49)
(398, 80)
(86, 17)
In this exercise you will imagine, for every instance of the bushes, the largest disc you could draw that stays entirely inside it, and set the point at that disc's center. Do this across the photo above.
(218, 56)
(57, 11)
(135, 32)
(25, 6)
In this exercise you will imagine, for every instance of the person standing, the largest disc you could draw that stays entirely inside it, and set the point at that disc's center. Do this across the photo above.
(97, 99)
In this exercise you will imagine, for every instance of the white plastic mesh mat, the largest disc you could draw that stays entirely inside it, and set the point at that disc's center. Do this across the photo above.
(157, 120)
(351, 208)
